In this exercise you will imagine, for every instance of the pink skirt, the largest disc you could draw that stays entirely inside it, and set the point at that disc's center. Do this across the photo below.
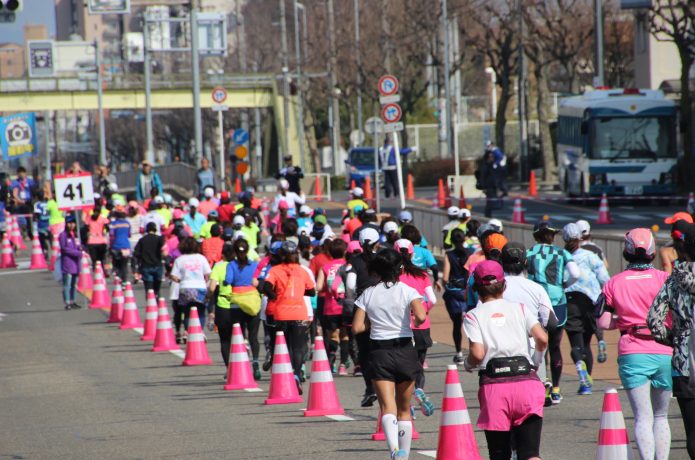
(504, 405)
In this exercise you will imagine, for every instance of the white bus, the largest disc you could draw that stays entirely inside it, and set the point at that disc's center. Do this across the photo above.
(617, 142)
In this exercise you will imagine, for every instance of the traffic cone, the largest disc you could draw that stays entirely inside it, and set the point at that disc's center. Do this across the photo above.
(131, 315)
(100, 295)
(613, 442)
(441, 194)
(518, 213)
(117, 301)
(38, 261)
(604, 212)
(323, 397)
(352, 184)
(84, 281)
(283, 389)
(690, 207)
(379, 435)
(239, 373)
(196, 348)
(150, 329)
(447, 197)
(317, 189)
(532, 188)
(410, 190)
(164, 339)
(368, 196)
(462, 199)
(7, 253)
(55, 250)
(16, 235)
(237, 185)
(456, 438)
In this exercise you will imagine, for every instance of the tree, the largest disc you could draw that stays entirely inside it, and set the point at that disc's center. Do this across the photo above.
(618, 48)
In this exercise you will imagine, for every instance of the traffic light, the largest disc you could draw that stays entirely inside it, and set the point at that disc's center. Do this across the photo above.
(11, 6)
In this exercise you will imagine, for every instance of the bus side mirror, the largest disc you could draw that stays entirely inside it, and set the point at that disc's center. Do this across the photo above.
(584, 128)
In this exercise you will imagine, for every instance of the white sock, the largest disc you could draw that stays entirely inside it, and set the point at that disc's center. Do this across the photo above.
(405, 435)
(389, 424)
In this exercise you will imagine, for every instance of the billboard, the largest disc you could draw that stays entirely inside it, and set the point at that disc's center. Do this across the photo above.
(18, 133)
(134, 47)
(109, 6)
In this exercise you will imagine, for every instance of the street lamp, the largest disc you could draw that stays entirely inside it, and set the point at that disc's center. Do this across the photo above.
(493, 96)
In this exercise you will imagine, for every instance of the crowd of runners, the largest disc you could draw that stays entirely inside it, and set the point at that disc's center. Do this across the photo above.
(367, 282)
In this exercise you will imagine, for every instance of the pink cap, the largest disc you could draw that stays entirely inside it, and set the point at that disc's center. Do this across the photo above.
(404, 244)
(488, 272)
(354, 247)
(640, 238)
(178, 214)
(283, 205)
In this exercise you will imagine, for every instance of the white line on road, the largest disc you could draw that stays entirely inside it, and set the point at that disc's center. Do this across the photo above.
(340, 418)
(253, 390)
(428, 453)
(635, 217)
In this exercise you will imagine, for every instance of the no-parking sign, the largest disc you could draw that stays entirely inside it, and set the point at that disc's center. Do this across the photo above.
(74, 191)
(388, 85)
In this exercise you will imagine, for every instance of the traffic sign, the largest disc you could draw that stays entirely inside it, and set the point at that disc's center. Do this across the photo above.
(388, 85)
(219, 95)
(392, 127)
(388, 99)
(241, 152)
(374, 125)
(74, 191)
(391, 113)
(242, 167)
(240, 136)
(219, 107)
(41, 58)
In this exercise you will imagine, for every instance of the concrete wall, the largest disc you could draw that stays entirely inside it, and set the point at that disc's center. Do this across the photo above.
(655, 61)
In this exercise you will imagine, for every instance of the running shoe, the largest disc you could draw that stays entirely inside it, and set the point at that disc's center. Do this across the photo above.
(68, 306)
(256, 371)
(268, 363)
(412, 413)
(426, 406)
(298, 381)
(75, 306)
(357, 372)
(342, 370)
(348, 363)
(555, 395)
(178, 337)
(459, 359)
(584, 390)
(399, 455)
(425, 365)
(584, 377)
(548, 400)
(602, 351)
(334, 368)
(368, 400)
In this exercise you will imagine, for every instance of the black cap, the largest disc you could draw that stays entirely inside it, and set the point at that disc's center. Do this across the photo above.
(684, 231)
(513, 253)
(544, 225)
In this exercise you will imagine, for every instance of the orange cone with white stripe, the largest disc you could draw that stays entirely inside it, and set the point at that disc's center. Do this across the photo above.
(131, 315)
(323, 397)
(613, 442)
(16, 235)
(604, 212)
(84, 280)
(117, 301)
(379, 435)
(55, 252)
(150, 329)
(7, 260)
(239, 373)
(100, 295)
(38, 260)
(456, 438)
(196, 348)
(164, 339)
(518, 213)
(283, 389)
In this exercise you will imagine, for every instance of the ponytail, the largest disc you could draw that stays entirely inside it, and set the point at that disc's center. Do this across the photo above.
(409, 268)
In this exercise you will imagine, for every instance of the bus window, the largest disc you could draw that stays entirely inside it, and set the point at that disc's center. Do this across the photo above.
(637, 138)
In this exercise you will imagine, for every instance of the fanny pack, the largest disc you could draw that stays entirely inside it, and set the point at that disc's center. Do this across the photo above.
(507, 367)
(635, 331)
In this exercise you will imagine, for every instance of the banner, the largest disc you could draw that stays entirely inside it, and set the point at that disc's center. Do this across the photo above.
(18, 133)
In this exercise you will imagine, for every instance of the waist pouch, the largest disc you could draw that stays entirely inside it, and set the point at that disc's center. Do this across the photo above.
(507, 367)
(640, 332)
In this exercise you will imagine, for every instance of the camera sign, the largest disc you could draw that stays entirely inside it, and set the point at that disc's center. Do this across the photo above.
(18, 136)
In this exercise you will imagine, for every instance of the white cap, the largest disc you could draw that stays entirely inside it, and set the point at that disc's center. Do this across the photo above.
(571, 232)
(496, 223)
(369, 234)
(284, 184)
(238, 220)
(193, 202)
(584, 227)
(390, 226)
(113, 186)
(209, 192)
(464, 213)
(159, 199)
(357, 192)
(304, 209)
(327, 236)
(453, 211)
(239, 235)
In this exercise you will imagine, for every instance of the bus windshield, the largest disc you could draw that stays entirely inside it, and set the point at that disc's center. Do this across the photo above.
(614, 138)
(362, 158)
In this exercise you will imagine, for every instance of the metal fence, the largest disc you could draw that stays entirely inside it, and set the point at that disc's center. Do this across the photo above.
(179, 178)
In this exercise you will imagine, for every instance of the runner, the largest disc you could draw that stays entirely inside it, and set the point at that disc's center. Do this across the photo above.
(193, 218)
(98, 227)
(148, 253)
(394, 362)
(356, 199)
(119, 232)
(191, 270)
(453, 215)
(70, 258)
(293, 199)
(455, 279)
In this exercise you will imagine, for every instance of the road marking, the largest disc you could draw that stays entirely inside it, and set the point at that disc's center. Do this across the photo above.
(428, 453)
(340, 418)
(180, 353)
(253, 390)
(14, 272)
(634, 217)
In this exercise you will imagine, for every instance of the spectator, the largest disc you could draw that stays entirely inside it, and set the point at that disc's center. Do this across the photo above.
(22, 190)
(387, 158)
(147, 180)
(193, 218)
(292, 174)
(487, 182)
(499, 166)
(205, 177)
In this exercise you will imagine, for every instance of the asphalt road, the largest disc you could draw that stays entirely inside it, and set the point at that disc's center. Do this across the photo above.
(73, 387)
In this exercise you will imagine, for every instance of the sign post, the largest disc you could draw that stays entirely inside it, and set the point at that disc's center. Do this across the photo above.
(219, 96)
(391, 113)
(374, 126)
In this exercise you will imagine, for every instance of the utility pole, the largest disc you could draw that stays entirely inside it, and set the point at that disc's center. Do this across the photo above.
(285, 83)
(149, 153)
(523, 134)
(195, 65)
(335, 108)
(598, 43)
(447, 78)
(300, 90)
(100, 99)
(358, 58)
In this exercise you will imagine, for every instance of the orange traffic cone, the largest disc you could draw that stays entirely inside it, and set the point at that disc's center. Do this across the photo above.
(7, 253)
(441, 194)
(100, 295)
(317, 189)
(323, 397)
(410, 190)
(379, 435)
(38, 261)
(447, 197)
(613, 442)
(117, 301)
(532, 189)
(131, 315)
(518, 213)
(368, 196)
(16, 235)
(237, 185)
(283, 389)
(604, 212)
(164, 339)
(462, 199)
(84, 281)
(352, 184)
(690, 207)
(196, 349)
(456, 438)
(55, 251)
(150, 329)
(239, 374)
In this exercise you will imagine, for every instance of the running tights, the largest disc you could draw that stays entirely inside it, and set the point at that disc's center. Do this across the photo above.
(652, 432)
(581, 348)
(296, 335)
(554, 339)
(457, 320)
(686, 403)
(225, 319)
(420, 379)
(527, 439)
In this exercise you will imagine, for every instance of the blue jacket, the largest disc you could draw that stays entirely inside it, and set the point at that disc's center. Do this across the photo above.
(156, 183)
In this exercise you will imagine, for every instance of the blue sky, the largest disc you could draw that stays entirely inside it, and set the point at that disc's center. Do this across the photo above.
(35, 12)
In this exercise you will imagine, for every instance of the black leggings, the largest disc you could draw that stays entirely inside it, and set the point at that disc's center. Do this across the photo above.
(363, 348)
(686, 403)
(554, 339)
(97, 252)
(225, 318)
(580, 327)
(457, 321)
(296, 335)
(527, 440)
(182, 313)
(120, 266)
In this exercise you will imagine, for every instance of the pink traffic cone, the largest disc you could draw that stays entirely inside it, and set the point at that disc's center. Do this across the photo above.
(55, 252)
(239, 373)
(131, 315)
(38, 260)
(150, 330)
(283, 389)
(323, 397)
(117, 301)
(613, 441)
(84, 281)
(100, 295)
(7, 253)
(456, 438)
(164, 339)
(196, 348)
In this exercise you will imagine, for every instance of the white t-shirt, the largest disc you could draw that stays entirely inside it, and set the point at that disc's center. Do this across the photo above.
(502, 327)
(155, 217)
(522, 290)
(191, 269)
(292, 200)
(388, 310)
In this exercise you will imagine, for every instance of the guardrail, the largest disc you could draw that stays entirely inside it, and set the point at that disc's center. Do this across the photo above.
(179, 178)
(431, 221)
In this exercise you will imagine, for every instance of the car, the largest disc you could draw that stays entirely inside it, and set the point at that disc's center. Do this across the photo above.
(360, 162)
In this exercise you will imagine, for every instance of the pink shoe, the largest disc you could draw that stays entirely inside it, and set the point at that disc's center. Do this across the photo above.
(342, 370)
(425, 365)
